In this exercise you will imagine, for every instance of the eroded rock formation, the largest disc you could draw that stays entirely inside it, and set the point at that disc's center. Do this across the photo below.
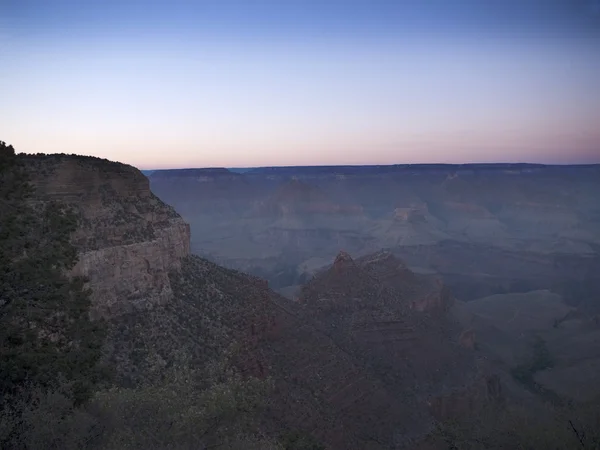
(128, 240)
(366, 360)
(396, 323)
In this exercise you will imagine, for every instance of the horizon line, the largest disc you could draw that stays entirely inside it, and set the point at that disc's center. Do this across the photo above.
(423, 164)
(378, 165)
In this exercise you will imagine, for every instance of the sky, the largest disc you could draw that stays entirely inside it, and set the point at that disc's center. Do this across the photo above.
(241, 83)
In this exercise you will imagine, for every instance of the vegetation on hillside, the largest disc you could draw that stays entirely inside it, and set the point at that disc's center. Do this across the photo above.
(154, 380)
(45, 331)
(169, 377)
(49, 348)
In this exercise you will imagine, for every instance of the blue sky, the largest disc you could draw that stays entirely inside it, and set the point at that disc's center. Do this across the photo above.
(264, 82)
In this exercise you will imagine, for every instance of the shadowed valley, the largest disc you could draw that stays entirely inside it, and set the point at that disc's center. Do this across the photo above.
(485, 229)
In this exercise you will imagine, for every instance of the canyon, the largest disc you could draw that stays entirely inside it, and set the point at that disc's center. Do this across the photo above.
(487, 246)
(369, 346)
(334, 370)
(484, 228)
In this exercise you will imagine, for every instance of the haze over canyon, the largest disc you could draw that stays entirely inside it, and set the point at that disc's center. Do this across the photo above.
(300, 225)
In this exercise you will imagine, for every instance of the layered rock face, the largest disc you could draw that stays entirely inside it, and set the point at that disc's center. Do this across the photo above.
(297, 198)
(319, 388)
(367, 359)
(354, 363)
(380, 277)
(511, 222)
(128, 240)
(396, 323)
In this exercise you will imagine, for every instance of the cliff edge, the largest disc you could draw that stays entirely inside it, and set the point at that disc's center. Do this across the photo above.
(128, 240)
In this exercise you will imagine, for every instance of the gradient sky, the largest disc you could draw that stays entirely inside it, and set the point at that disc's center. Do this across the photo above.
(236, 83)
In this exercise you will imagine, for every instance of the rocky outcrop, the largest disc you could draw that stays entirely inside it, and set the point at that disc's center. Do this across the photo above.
(342, 260)
(423, 293)
(133, 276)
(373, 278)
(128, 240)
(396, 323)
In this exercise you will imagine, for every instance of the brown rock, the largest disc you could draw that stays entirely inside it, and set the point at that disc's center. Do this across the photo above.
(395, 322)
(127, 238)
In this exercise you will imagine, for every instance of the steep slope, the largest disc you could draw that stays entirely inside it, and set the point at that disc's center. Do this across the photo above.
(191, 313)
(394, 322)
(131, 248)
(368, 358)
(127, 239)
(83, 237)
(347, 396)
(313, 377)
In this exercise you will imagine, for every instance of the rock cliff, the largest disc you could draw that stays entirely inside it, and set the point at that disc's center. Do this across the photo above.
(395, 322)
(128, 240)
(367, 331)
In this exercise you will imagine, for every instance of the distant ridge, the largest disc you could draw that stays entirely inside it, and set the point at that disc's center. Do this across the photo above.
(370, 169)
(211, 171)
(393, 168)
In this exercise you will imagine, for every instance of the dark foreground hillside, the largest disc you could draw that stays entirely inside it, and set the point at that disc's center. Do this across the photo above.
(112, 336)
(130, 379)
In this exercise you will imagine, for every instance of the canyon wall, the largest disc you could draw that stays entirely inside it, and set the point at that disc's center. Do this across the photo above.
(128, 240)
